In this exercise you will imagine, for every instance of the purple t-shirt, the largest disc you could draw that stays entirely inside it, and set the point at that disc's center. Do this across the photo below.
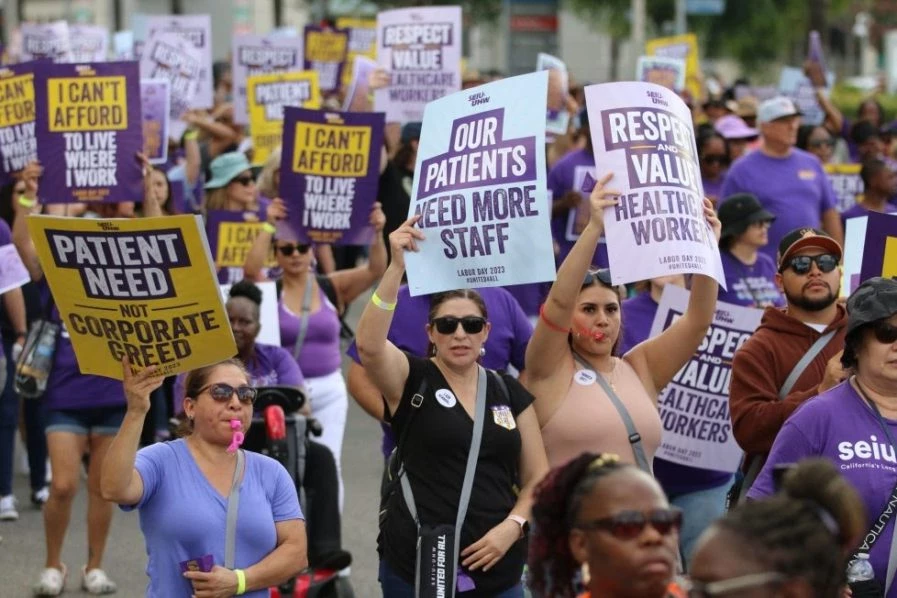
(795, 189)
(751, 286)
(839, 426)
(530, 296)
(637, 315)
(320, 353)
(567, 175)
(183, 517)
(714, 189)
(860, 210)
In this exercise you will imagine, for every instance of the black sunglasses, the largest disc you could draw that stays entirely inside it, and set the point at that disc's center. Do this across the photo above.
(244, 180)
(715, 159)
(885, 332)
(801, 264)
(628, 525)
(222, 392)
(602, 276)
(449, 324)
(822, 142)
(288, 250)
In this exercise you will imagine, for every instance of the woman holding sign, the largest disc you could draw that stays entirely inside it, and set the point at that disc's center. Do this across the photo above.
(455, 456)
(588, 398)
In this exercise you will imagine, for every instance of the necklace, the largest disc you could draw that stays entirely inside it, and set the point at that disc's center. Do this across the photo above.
(612, 377)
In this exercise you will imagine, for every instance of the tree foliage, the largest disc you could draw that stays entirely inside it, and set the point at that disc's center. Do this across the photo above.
(475, 11)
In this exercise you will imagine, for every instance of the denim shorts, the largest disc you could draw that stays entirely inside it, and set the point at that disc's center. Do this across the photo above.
(92, 421)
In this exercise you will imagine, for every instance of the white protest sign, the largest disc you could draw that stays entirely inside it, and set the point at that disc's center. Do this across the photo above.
(170, 56)
(694, 407)
(46, 40)
(643, 134)
(557, 117)
(89, 43)
(668, 72)
(794, 84)
(479, 186)
(197, 29)
(420, 48)
(257, 55)
(269, 317)
(854, 244)
(13, 273)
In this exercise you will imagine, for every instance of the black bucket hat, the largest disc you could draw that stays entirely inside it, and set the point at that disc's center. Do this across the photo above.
(737, 212)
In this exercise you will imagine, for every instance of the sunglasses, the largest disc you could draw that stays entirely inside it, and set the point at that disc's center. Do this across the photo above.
(449, 324)
(288, 250)
(801, 264)
(244, 180)
(714, 159)
(628, 525)
(602, 276)
(822, 143)
(885, 333)
(222, 392)
(697, 589)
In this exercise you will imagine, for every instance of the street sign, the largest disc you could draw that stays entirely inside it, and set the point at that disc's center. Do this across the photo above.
(705, 7)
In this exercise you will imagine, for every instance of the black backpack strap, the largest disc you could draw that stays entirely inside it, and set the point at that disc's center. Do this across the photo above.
(416, 401)
(502, 385)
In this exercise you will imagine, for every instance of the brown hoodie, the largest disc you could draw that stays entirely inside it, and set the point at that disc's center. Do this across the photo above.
(760, 368)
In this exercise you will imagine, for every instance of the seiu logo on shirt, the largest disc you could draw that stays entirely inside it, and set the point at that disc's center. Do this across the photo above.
(862, 450)
(806, 175)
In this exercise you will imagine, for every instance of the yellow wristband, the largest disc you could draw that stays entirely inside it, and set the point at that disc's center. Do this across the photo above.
(269, 228)
(191, 135)
(376, 300)
(241, 581)
(26, 202)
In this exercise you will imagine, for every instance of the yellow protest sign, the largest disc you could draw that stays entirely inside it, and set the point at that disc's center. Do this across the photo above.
(683, 47)
(331, 149)
(266, 96)
(362, 42)
(142, 288)
(231, 235)
(87, 104)
(16, 98)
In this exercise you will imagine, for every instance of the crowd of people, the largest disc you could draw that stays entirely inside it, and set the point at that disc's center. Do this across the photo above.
(553, 388)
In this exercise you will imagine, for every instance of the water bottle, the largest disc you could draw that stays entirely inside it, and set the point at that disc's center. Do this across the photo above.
(33, 369)
(861, 577)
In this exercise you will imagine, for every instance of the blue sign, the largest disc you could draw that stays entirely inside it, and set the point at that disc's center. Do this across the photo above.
(705, 7)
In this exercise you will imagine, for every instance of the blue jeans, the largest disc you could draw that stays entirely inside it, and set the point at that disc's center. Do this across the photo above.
(394, 586)
(9, 422)
(701, 508)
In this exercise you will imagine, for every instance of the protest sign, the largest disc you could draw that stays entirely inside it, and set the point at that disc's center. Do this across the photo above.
(231, 234)
(794, 84)
(847, 183)
(89, 131)
(18, 145)
(267, 96)
(357, 96)
(141, 288)
(558, 89)
(854, 242)
(694, 407)
(667, 72)
(479, 188)
(643, 134)
(257, 55)
(123, 45)
(329, 172)
(420, 48)
(880, 248)
(197, 29)
(325, 53)
(13, 272)
(89, 43)
(685, 48)
(269, 313)
(362, 43)
(154, 95)
(579, 217)
(45, 40)
(170, 56)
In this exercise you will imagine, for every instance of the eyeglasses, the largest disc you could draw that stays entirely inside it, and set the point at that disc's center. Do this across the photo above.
(697, 589)
(628, 525)
(288, 250)
(885, 333)
(822, 143)
(222, 392)
(715, 159)
(602, 276)
(801, 264)
(449, 324)
(244, 180)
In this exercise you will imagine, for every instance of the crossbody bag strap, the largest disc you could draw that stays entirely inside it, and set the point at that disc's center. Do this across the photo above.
(233, 503)
(304, 315)
(635, 439)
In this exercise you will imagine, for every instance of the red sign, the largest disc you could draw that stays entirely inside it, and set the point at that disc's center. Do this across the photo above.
(534, 23)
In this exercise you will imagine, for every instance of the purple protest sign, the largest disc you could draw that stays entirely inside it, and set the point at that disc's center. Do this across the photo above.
(154, 94)
(880, 248)
(89, 131)
(256, 55)
(170, 56)
(197, 29)
(329, 173)
(18, 145)
(46, 40)
(325, 53)
(89, 43)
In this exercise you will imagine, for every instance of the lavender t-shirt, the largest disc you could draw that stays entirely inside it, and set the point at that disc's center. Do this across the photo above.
(183, 517)
(562, 178)
(320, 352)
(795, 189)
(751, 286)
(839, 425)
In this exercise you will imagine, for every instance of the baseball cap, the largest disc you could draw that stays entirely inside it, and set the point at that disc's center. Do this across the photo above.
(733, 127)
(875, 299)
(802, 238)
(739, 211)
(776, 108)
(747, 107)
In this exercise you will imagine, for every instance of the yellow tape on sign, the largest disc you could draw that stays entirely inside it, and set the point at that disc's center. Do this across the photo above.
(16, 100)
(87, 104)
(889, 266)
(331, 150)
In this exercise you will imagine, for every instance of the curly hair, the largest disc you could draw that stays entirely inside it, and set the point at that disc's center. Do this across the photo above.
(808, 530)
(557, 503)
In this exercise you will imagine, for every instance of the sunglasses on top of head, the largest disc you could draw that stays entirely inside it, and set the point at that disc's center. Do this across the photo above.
(449, 324)
(288, 250)
(628, 525)
(602, 276)
(801, 264)
(222, 392)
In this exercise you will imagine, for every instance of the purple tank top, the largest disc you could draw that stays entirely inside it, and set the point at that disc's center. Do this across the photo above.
(320, 354)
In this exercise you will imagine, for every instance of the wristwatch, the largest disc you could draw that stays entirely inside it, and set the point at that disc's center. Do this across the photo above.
(523, 523)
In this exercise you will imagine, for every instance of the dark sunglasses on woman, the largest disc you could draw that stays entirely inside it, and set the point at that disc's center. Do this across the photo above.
(222, 392)
(449, 324)
(628, 525)
(715, 159)
(288, 250)
(245, 180)
(885, 332)
(801, 264)
(822, 143)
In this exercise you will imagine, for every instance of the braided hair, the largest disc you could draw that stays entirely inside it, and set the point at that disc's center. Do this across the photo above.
(558, 501)
(808, 530)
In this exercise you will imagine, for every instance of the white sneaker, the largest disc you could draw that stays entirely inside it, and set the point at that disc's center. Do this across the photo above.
(96, 582)
(8, 510)
(51, 582)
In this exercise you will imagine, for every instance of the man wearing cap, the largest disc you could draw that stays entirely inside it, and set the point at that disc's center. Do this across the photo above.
(795, 353)
(788, 181)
